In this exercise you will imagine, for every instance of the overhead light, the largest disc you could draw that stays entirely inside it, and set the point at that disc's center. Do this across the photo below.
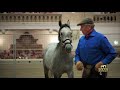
(116, 42)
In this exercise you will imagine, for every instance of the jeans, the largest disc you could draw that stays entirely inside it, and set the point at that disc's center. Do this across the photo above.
(90, 72)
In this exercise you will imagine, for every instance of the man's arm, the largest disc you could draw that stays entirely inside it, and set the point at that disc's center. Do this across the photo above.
(77, 53)
(108, 49)
(78, 63)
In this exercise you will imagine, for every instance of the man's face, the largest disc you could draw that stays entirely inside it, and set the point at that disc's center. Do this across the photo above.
(85, 29)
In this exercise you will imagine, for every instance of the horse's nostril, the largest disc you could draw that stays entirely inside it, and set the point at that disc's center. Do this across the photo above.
(68, 48)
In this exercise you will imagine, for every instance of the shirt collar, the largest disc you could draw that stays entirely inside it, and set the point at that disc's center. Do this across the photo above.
(91, 34)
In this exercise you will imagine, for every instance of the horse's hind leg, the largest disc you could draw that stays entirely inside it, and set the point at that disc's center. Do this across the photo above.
(46, 72)
(70, 74)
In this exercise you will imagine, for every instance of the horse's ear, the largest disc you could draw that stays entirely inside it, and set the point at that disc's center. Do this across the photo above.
(68, 22)
(60, 23)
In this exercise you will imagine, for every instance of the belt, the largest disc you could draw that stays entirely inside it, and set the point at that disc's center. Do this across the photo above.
(89, 66)
(86, 65)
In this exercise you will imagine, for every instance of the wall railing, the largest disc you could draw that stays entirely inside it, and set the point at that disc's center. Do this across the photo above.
(32, 17)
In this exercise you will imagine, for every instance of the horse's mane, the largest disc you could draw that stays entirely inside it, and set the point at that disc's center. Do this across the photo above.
(64, 25)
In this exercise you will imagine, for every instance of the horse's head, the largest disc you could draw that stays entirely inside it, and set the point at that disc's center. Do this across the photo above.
(65, 36)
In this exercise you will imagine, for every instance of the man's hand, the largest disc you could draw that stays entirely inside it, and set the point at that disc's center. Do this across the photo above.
(79, 65)
(98, 65)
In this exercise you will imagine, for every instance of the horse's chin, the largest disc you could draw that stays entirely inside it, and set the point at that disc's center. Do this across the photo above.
(68, 48)
(68, 51)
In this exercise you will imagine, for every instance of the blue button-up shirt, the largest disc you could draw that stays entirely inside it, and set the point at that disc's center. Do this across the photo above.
(94, 49)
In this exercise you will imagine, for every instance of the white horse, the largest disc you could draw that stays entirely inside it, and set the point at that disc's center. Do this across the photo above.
(57, 57)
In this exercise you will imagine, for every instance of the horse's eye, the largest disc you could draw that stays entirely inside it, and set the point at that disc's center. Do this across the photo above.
(71, 34)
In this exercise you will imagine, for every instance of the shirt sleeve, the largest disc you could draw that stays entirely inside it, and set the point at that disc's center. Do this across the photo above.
(77, 53)
(109, 51)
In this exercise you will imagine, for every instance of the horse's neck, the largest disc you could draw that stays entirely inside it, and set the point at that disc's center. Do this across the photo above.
(60, 56)
(61, 50)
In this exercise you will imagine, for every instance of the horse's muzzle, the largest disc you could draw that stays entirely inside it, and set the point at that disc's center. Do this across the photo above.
(68, 47)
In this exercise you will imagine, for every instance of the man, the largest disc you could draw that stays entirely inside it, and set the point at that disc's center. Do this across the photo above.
(93, 50)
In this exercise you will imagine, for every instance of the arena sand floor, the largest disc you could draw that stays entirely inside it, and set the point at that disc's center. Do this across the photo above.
(34, 69)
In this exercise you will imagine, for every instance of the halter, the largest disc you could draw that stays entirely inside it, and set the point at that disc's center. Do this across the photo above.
(64, 43)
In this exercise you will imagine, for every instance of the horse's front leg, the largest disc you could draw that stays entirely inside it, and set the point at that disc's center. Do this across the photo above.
(57, 76)
(50, 74)
(70, 74)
